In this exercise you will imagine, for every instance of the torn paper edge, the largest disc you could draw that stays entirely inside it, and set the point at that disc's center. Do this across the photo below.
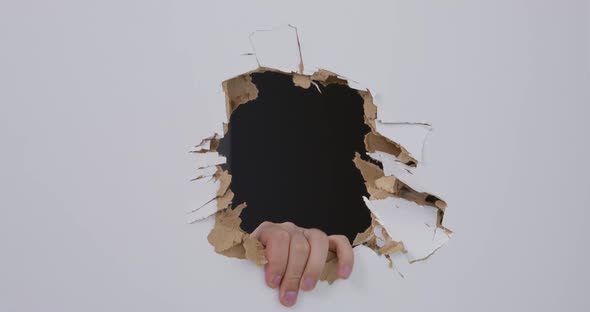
(228, 238)
(420, 132)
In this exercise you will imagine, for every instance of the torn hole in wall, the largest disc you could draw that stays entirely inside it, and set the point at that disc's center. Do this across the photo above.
(305, 148)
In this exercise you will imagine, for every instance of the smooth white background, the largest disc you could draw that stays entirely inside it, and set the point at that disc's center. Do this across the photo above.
(101, 100)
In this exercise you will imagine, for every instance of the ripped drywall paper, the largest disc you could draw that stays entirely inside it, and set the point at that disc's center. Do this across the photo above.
(383, 163)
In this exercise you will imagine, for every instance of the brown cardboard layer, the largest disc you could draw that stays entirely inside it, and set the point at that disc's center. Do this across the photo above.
(211, 142)
(228, 239)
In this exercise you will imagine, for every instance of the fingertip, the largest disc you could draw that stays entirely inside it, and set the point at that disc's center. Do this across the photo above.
(345, 254)
(308, 283)
(273, 280)
(344, 271)
(289, 298)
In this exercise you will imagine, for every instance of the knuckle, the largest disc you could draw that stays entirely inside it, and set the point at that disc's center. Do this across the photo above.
(292, 279)
(340, 238)
(282, 235)
(289, 225)
(265, 224)
(271, 225)
(301, 246)
(317, 233)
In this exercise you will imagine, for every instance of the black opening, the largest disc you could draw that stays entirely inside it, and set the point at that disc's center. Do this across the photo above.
(290, 153)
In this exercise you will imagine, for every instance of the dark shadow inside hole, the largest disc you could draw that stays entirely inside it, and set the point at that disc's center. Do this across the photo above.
(290, 153)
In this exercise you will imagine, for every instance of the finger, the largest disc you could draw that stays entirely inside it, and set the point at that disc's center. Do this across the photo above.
(290, 226)
(298, 253)
(318, 243)
(341, 245)
(276, 241)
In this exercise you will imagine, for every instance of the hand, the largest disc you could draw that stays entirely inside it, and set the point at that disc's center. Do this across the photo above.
(296, 257)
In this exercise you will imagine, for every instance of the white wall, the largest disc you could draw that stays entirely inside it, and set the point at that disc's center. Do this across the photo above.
(101, 100)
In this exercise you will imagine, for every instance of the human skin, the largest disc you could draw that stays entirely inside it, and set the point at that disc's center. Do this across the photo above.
(296, 257)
